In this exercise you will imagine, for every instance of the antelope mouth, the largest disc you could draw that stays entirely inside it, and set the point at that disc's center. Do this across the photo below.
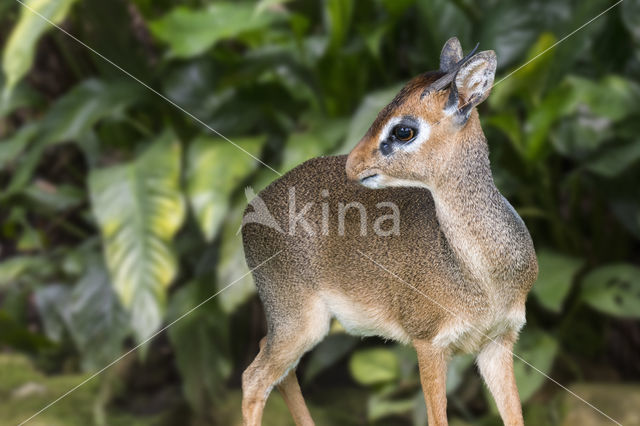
(365, 178)
(371, 179)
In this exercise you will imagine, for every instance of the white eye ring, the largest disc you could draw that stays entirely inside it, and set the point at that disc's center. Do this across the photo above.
(423, 131)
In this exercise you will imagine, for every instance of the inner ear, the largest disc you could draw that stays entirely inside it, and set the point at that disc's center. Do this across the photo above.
(474, 79)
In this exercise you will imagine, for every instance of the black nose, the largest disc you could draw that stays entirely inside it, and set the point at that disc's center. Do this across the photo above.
(368, 177)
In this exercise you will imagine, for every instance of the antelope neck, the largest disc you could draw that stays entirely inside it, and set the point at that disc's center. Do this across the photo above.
(479, 224)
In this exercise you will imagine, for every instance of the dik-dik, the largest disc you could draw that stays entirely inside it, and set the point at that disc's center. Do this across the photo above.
(454, 275)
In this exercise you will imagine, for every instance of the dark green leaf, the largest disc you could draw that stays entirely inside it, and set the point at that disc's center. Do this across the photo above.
(215, 169)
(87, 103)
(615, 160)
(190, 32)
(534, 348)
(614, 289)
(556, 274)
(13, 146)
(200, 342)
(328, 352)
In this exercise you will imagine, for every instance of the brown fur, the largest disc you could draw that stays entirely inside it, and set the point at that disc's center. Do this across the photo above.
(457, 274)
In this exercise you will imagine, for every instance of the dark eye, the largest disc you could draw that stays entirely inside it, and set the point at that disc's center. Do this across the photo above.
(404, 133)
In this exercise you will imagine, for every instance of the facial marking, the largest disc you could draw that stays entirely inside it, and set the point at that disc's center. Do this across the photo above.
(421, 128)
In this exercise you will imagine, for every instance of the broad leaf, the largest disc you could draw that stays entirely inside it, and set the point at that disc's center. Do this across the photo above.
(14, 268)
(91, 314)
(614, 290)
(612, 97)
(615, 160)
(327, 353)
(379, 407)
(20, 48)
(87, 103)
(338, 15)
(555, 278)
(12, 147)
(70, 119)
(190, 32)
(538, 349)
(366, 114)
(139, 209)
(373, 366)
(215, 169)
(320, 140)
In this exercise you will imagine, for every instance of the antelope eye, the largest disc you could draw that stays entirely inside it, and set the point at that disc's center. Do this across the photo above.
(404, 133)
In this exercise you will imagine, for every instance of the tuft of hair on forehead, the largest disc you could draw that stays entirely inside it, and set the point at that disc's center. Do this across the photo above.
(416, 84)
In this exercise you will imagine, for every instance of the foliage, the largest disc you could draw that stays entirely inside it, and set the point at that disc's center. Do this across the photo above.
(119, 213)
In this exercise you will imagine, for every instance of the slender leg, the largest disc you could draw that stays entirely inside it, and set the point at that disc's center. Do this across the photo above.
(495, 362)
(278, 356)
(292, 395)
(290, 390)
(432, 362)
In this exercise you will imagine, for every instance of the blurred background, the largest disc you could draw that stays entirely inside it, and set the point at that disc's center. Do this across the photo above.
(119, 213)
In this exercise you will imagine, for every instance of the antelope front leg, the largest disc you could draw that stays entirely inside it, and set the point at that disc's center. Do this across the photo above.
(495, 362)
(432, 362)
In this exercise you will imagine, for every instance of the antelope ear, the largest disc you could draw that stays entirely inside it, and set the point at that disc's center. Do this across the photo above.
(450, 55)
(475, 79)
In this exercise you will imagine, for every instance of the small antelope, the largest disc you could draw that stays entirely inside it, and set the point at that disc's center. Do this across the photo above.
(454, 275)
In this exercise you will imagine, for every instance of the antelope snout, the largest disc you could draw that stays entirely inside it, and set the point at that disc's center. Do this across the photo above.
(356, 163)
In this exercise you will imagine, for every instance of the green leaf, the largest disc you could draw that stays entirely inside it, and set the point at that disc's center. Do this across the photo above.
(20, 48)
(215, 169)
(13, 146)
(327, 353)
(538, 349)
(528, 80)
(201, 344)
(16, 335)
(615, 160)
(612, 97)
(14, 268)
(509, 28)
(508, 123)
(51, 301)
(190, 32)
(373, 366)
(338, 14)
(456, 371)
(556, 274)
(51, 197)
(379, 407)
(555, 105)
(90, 312)
(96, 321)
(319, 140)
(366, 114)
(614, 289)
(139, 209)
(73, 115)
